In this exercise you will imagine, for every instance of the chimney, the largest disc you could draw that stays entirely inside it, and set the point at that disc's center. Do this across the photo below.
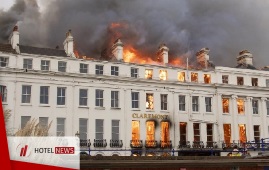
(14, 38)
(163, 53)
(69, 44)
(245, 58)
(203, 57)
(117, 50)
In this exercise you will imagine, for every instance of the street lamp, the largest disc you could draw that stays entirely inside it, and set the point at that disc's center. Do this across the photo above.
(77, 134)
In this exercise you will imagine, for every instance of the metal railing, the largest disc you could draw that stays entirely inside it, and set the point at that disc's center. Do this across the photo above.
(99, 143)
(151, 144)
(184, 144)
(136, 143)
(85, 143)
(198, 144)
(166, 144)
(116, 143)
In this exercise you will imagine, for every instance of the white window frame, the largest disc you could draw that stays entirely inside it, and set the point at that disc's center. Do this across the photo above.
(4, 61)
(83, 128)
(44, 96)
(114, 99)
(225, 79)
(115, 129)
(45, 65)
(99, 98)
(195, 104)
(62, 66)
(59, 132)
(28, 63)
(134, 72)
(83, 68)
(61, 95)
(26, 94)
(208, 104)
(99, 130)
(182, 103)
(135, 100)
(255, 106)
(83, 97)
(3, 92)
(114, 70)
(99, 69)
(164, 101)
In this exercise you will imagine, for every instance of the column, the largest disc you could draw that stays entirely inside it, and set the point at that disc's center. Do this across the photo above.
(234, 126)
(249, 113)
(218, 133)
(263, 113)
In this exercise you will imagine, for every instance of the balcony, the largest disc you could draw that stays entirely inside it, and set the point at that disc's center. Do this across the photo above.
(166, 144)
(184, 144)
(85, 143)
(198, 144)
(211, 144)
(99, 143)
(136, 143)
(151, 144)
(116, 143)
(228, 145)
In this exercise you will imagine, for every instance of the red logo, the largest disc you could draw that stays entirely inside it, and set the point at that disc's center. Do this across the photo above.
(23, 150)
(64, 150)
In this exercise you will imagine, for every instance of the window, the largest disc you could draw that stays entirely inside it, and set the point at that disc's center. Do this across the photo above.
(115, 130)
(61, 66)
(45, 65)
(99, 128)
(135, 132)
(135, 99)
(227, 134)
(24, 120)
(163, 101)
(183, 132)
(150, 133)
(26, 94)
(182, 103)
(163, 74)
(61, 95)
(44, 95)
(43, 122)
(83, 97)
(254, 81)
(83, 68)
(148, 73)
(209, 130)
(255, 106)
(83, 128)
(267, 106)
(256, 129)
(208, 104)
(3, 91)
(225, 79)
(99, 97)
(240, 106)
(242, 133)
(181, 76)
(134, 72)
(225, 105)
(27, 63)
(99, 69)
(194, 77)
(115, 99)
(195, 103)
(3, 61)
(267, 82)
(114, 71)
(60, 127)
(149, 101)
(196, 132)
(165, 134)
(240, 80)
(207, 78)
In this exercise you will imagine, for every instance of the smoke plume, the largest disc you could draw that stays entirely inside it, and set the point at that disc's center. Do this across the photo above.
(185, 26)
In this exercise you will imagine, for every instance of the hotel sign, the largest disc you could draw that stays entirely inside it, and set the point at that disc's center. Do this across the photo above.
(149, 116)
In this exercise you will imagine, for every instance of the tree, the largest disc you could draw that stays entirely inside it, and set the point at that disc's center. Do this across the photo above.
(33, 129)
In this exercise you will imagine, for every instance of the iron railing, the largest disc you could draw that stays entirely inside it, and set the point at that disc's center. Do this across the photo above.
(85, 143)
(151, 144)
(166, 144)
(99, 143)
(184, 144)
(116, 143)
(136, 143)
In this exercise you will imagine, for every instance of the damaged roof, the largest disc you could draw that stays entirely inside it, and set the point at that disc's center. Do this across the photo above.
(42, 51)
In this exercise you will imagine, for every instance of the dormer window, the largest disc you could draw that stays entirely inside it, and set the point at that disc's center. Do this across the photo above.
(181, 76)
(207, 78)
(240, 80)
(254, 81)
(194, 77)
(225, 79)
(148, 73)
(163, 74)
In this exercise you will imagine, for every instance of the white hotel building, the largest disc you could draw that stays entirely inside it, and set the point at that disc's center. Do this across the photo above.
(119, 105)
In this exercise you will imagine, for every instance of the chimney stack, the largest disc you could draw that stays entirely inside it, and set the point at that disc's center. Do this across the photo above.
(69, 44)
(245, 58)
(203, 57)
(117, 50)
(14, 38)
(163, 53)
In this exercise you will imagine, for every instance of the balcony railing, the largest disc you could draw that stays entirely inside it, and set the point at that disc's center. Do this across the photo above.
(235, 143)
(198, 144)
(116, 143)
(211, 144)
(136, 143)
(85, 143)
(99, 143)
(184, 144)
(166, 144)
(151, 144)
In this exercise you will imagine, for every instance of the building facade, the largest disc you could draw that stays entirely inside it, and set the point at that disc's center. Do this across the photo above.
(119, 105)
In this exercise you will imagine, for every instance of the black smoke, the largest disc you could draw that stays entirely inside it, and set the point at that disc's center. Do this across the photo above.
(186, 26)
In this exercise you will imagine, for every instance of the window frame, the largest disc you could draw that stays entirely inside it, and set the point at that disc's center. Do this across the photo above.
(117, 127)
(99, 69)
(61, 97)
(255, 106)
(114, 99)
(83, 128)
(83, 68)
(62, 66)
(27, 94)
(164, 102)
(134, 72)
(28, 63)
(101, 132)
(208, 104)
(3, 92)
(99, 98)
(114, 71)
(59, 132)
(135, 100)
(43, 97)
(83, 99)
(180, 103)
(45, 65)
(194, 104)
(4, 61)
(225, 79)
